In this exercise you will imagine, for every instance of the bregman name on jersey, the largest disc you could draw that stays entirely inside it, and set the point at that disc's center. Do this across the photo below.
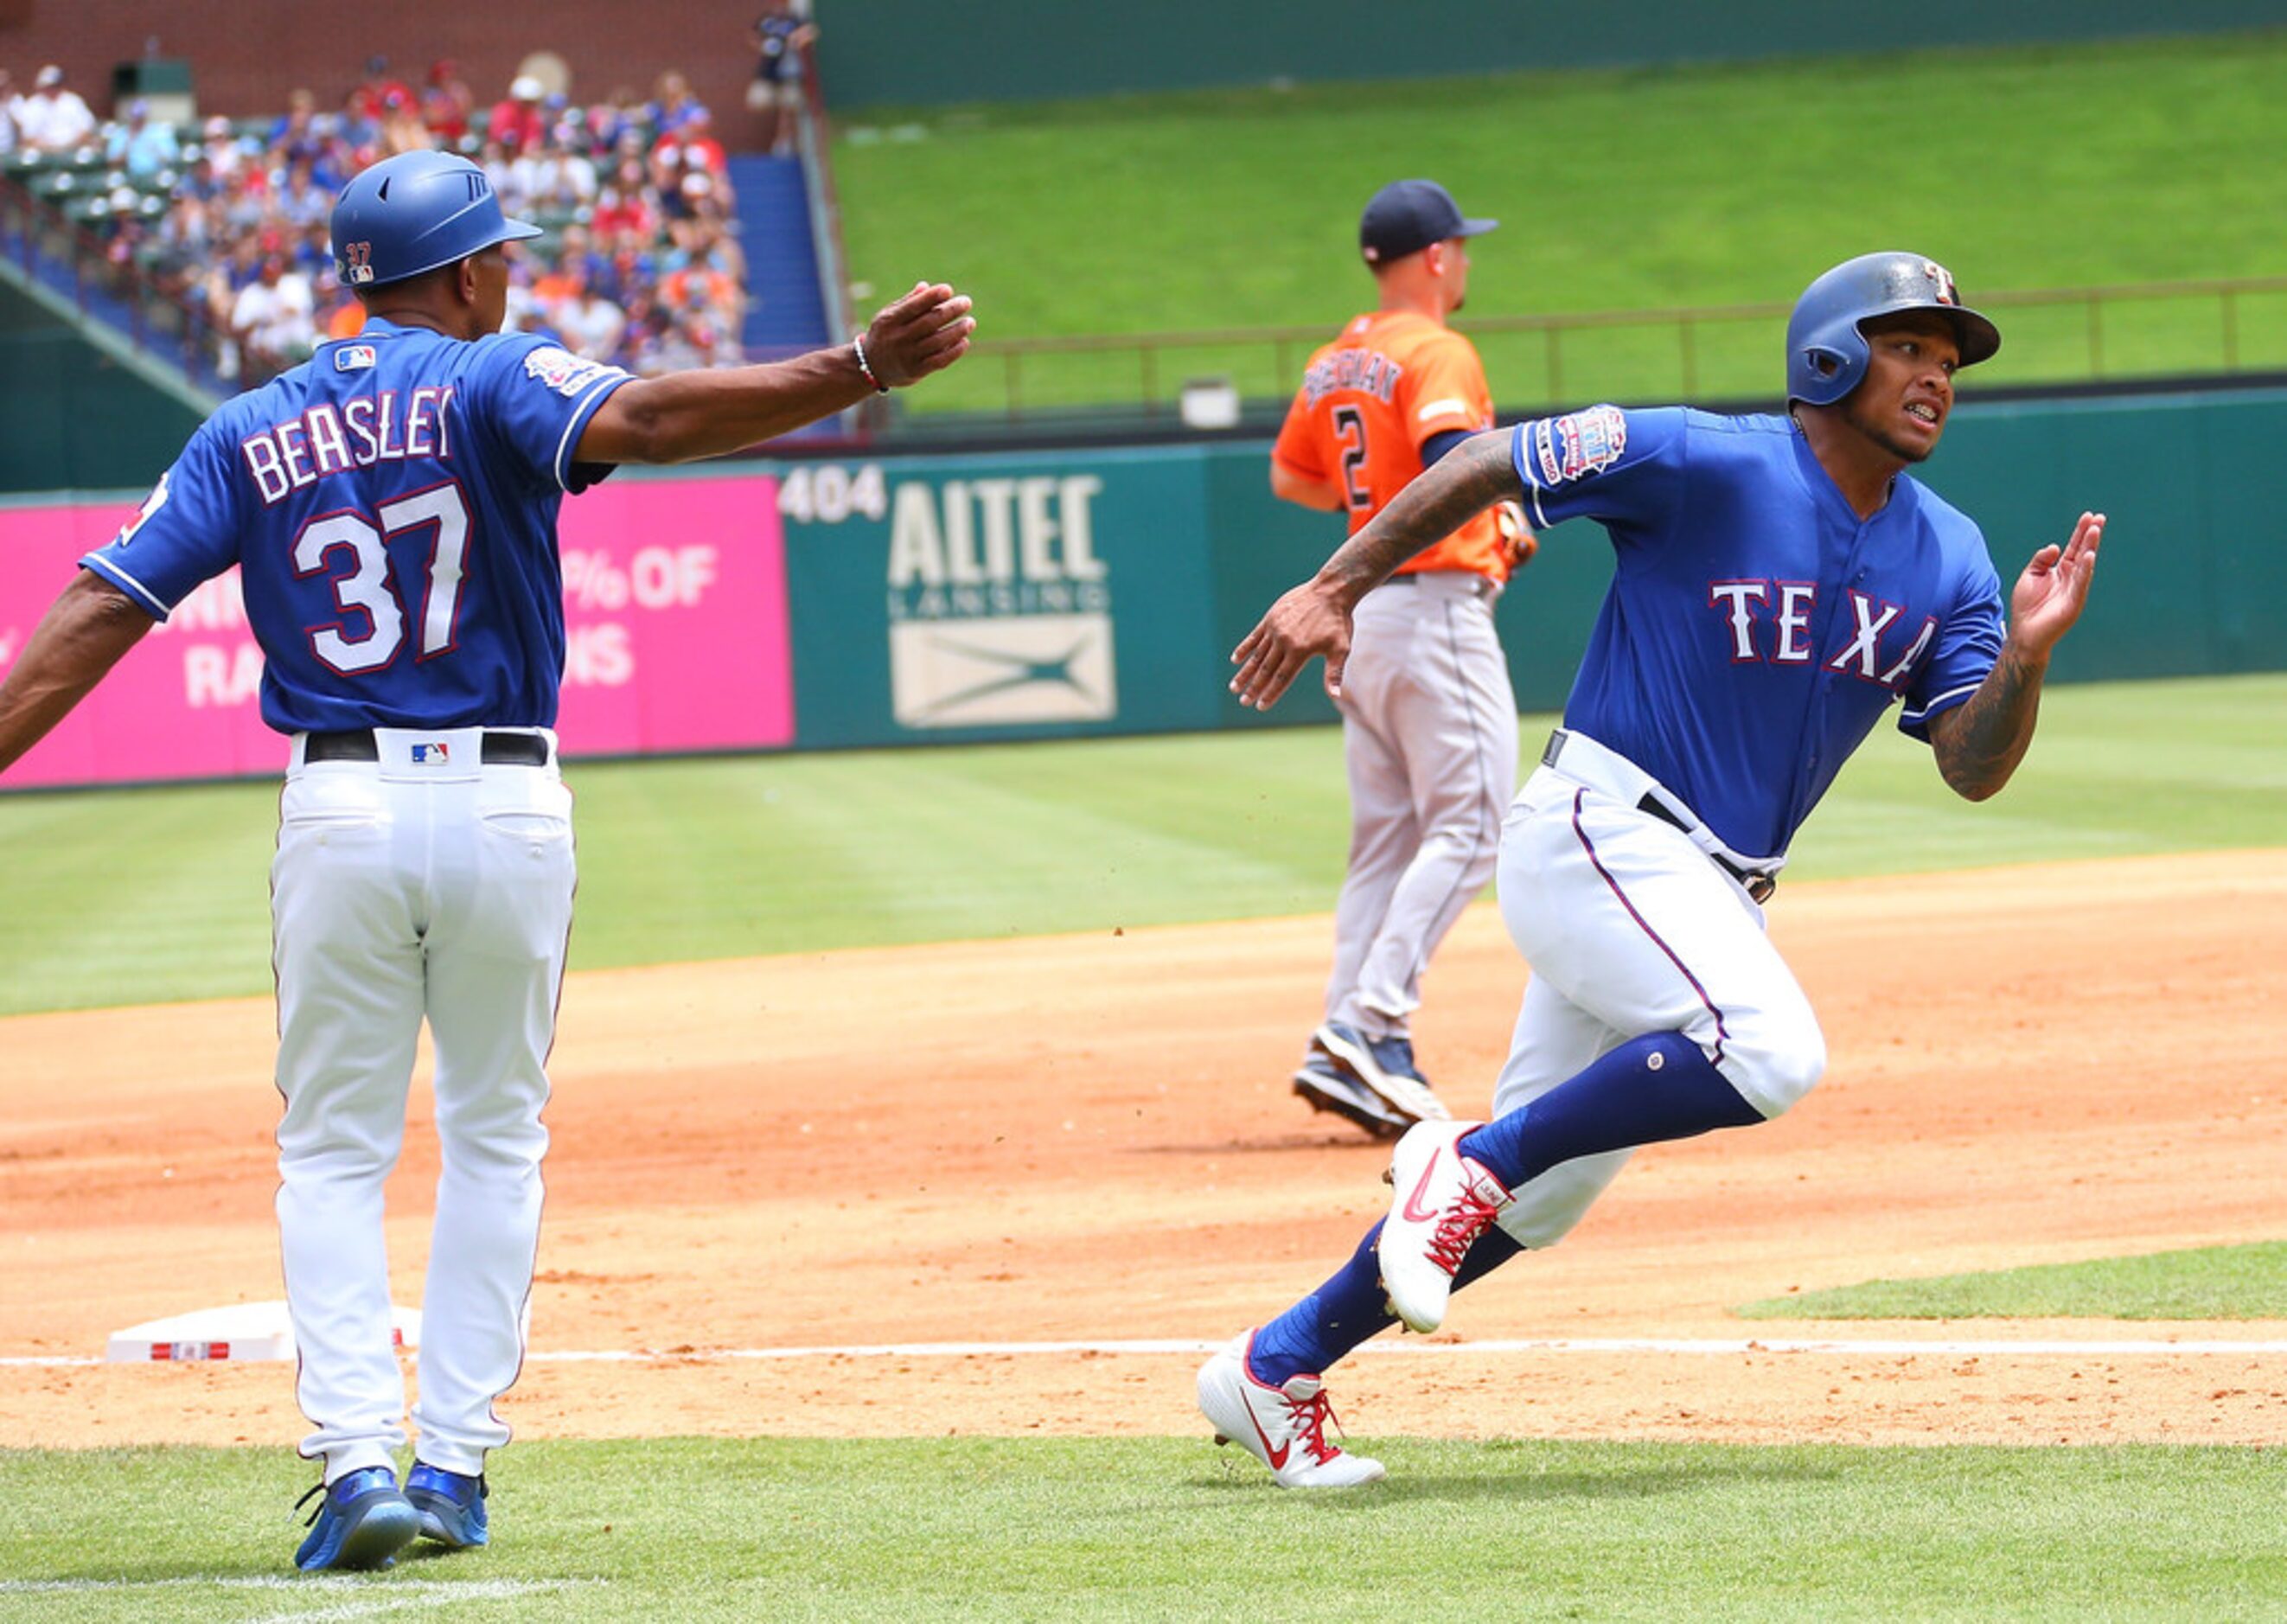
(1368, 371)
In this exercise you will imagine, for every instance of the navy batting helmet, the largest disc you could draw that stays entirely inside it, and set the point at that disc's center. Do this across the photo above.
(1827, 351)
(413, 213)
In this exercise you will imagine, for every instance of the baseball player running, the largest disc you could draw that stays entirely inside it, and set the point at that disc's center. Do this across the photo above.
(392, 507)
(1780, 582)
(1428, 716)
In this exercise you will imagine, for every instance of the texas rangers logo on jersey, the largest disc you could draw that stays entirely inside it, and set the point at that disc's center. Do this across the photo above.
(1578, 444)
(357, 262)
(353, 358)
(562, 371)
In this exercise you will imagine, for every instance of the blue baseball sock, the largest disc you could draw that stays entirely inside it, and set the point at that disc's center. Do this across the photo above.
(1350, 1307)
(1650, 1089)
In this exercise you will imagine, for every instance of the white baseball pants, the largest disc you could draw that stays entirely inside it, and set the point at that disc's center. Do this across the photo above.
(1429, 737)
(1630, 928)
(421, 885)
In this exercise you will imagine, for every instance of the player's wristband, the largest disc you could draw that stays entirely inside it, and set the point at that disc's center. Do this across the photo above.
(858, 347)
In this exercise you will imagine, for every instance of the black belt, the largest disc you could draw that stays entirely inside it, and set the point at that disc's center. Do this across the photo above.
(499, 750)
(1759, 885)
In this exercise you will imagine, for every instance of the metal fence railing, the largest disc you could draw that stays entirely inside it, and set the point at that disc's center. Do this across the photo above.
(1722, 351)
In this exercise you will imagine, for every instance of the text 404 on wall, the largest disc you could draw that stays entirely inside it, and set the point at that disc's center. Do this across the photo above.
(827, 493)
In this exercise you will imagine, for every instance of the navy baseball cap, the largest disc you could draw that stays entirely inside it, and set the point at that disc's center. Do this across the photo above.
(1407, 216)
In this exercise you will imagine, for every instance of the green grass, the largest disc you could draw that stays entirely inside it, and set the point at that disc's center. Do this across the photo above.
(1147, 1528)
(2232, 1282)
(159, 895)
(2153, 160)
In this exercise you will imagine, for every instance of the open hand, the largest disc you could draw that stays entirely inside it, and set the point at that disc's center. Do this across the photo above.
(2049, 596)
(1311, 619)
(924, 332)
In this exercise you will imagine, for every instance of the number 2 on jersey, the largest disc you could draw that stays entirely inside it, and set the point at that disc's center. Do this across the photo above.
(1349, 432)
(366, 587)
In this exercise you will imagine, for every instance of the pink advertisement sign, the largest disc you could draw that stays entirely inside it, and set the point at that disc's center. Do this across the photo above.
(675, 609)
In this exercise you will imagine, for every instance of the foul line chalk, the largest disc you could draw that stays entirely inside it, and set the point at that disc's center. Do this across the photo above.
(1561, 1345)
(1716, 1347)
(412, 1590)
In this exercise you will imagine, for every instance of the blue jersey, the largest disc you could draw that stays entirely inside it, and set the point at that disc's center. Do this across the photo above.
(1756, 628)
(392, 507)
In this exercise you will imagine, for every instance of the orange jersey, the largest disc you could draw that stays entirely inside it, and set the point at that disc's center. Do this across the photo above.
(1391, 381)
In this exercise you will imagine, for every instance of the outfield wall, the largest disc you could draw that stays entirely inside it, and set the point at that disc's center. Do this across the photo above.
(945, 599)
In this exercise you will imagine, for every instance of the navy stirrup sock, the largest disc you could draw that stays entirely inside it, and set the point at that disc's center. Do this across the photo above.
(1650, 1089)
(1309, 1337)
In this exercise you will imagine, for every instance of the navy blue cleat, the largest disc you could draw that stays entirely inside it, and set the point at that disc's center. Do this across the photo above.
(1327, 1087)
(451, 1504)
(1385, 1066)
(361, 1523)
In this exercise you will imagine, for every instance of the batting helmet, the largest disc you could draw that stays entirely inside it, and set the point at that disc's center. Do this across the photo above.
(413, 213)
(1827, 351)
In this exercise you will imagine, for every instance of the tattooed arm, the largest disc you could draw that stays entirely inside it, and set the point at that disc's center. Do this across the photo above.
(1979, 742)
(1315, 617)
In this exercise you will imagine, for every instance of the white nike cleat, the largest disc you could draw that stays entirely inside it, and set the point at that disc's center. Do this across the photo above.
(1285, 1427)
(1440, 1202)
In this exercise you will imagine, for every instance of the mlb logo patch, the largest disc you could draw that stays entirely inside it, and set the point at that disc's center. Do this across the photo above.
(431, 755)
(353, 358)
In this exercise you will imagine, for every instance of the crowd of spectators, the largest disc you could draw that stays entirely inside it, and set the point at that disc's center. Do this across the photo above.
(640, 265)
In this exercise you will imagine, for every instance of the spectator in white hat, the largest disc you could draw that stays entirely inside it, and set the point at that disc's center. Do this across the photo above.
(53, 118)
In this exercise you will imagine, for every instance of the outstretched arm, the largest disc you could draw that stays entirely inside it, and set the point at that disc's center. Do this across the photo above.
(709, 412)
(1979, 742)
(1315, 617)
(84, 633)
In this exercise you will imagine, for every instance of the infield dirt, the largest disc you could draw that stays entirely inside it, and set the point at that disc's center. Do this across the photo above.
(1091, 1137)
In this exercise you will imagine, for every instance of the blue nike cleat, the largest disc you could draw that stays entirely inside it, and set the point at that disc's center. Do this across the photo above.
(362, 1522)
(451, 1504)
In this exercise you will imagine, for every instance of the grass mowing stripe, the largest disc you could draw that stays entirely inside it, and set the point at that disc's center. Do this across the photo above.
(1122, 1528)
(147, 896)
(2232, 1282)
(1694, 196)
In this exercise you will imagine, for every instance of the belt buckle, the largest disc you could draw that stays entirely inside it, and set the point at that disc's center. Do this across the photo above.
(1759, 887)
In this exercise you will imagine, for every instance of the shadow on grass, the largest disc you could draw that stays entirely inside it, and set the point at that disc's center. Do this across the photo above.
(1524, 1486)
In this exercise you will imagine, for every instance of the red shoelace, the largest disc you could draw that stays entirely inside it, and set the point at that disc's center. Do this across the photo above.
(1311, 1417)
(1458, 1227)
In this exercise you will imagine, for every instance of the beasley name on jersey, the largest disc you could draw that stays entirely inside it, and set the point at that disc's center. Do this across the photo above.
(392, 507)
(1756, 628)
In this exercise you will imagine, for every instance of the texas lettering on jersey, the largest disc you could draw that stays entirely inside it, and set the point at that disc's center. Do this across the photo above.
(1794, 605)
(1747, 586)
